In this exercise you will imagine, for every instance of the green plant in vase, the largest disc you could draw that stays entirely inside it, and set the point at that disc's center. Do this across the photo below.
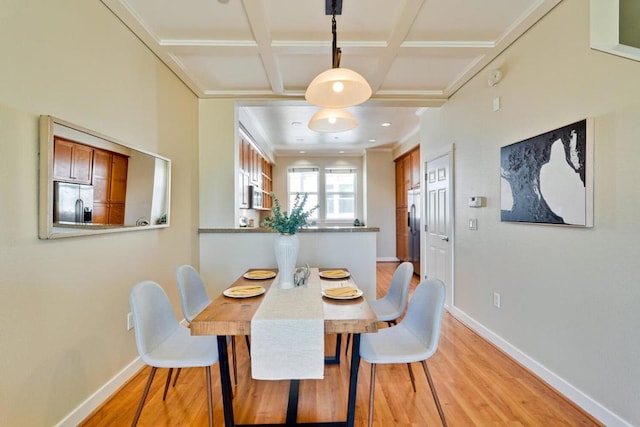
(289, 223)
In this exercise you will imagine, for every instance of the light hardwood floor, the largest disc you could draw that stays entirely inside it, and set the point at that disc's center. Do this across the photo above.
(478, 385)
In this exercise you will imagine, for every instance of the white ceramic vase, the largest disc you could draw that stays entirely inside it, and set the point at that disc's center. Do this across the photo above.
(286, 247)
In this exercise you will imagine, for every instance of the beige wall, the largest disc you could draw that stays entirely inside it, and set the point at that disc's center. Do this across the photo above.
(63, 303)
(570, 296)
(380, 200)
(218, 156)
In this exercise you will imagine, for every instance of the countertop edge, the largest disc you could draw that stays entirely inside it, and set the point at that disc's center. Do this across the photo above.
(206, 230)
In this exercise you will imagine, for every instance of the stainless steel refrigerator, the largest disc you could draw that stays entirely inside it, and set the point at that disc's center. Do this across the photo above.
(72, 203)
(413, 204)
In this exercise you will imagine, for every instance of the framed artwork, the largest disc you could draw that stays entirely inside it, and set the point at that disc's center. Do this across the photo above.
(548, 179)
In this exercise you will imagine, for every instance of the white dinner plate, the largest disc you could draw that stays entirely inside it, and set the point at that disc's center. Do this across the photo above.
(245, 291)
(327, 293)
(259, 274)
(334, 274)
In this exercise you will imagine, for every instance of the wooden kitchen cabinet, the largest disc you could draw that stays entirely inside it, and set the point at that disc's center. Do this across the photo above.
(72, 162)
(256, 171)
(118, 189)
(407, 178)
(101, 174)
(415, 168)
(109, 187)
(267, 184)
(402, 234)
(401, 194)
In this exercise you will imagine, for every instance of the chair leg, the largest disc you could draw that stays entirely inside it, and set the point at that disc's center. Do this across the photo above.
(166, 385)
(144, 396)
(413, 379)
(371, 393)
(209, 394)
(433, 391)
(235, 360)
(175, 380)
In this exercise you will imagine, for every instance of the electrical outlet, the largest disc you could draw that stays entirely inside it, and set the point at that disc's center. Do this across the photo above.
(496, 299)
(129, 321)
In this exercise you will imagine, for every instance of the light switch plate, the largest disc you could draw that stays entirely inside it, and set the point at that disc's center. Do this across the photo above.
(473, 224)
(496, 103)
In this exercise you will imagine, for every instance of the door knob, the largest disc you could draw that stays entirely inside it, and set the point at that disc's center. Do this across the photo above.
(445, 238)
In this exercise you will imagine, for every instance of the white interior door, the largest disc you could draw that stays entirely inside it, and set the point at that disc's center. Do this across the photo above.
(439, 222)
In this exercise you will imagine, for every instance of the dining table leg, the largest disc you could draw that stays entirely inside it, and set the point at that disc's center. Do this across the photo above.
(225, 382)
(353, 380)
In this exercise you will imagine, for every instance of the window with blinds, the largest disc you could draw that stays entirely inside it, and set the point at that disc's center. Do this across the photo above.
(304, 180)
(340, 194)
(334, 189)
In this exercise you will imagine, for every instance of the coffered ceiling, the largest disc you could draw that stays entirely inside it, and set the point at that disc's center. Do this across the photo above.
(414, 53)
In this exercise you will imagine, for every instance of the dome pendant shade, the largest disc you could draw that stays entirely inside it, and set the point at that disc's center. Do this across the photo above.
(324, 90)
(332, 120)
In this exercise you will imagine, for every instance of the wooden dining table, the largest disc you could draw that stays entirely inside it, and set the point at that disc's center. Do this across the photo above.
(227, 316)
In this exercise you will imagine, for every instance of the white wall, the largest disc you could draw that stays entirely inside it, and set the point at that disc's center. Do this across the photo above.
(63, 303)
(570, 296)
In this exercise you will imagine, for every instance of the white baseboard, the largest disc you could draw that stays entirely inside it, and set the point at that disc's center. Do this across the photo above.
(569, 391)
(76, 416)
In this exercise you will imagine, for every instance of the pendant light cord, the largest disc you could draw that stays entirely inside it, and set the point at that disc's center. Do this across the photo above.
(337, 52)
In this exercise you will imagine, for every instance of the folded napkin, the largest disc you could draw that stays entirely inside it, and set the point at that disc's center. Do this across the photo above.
(335, 273)
(344, 291)
(260, 274)
(287, 333)
(245, 290)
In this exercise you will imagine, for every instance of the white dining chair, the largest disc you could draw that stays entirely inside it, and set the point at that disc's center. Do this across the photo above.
(193, 299)
(391, 307)
(163, 342)
(414, 339)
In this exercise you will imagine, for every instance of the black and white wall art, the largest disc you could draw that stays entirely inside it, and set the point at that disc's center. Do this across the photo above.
(548, 179)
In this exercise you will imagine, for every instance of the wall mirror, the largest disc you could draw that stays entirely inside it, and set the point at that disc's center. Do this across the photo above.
(92, 184)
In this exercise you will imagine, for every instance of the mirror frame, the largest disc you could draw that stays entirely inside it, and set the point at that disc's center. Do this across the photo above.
(48, 125)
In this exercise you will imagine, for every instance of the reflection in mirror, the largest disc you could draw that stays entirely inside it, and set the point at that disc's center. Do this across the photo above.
(91, 184)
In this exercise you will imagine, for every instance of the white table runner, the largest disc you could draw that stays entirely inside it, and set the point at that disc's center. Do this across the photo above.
(287, 333)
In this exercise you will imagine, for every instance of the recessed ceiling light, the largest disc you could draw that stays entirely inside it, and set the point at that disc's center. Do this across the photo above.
(385, 124)
(372, 140)
(296, 123)
(301, 152)
(341, 152)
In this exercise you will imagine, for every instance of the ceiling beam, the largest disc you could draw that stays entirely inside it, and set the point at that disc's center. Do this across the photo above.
(400, 31)
(255, 15)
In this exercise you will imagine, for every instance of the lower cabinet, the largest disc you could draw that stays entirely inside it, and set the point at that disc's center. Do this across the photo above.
(402, 235)
(109, 187)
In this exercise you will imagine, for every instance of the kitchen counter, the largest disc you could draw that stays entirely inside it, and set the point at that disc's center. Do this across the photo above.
(226, 253)
(324, 229)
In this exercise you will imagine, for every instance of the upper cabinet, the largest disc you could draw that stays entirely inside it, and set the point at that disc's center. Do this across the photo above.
(255, 171)
(72, 162)
(415, 168)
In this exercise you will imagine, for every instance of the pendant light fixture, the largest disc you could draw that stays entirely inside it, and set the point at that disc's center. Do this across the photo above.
(337, 87)
(332, 120)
